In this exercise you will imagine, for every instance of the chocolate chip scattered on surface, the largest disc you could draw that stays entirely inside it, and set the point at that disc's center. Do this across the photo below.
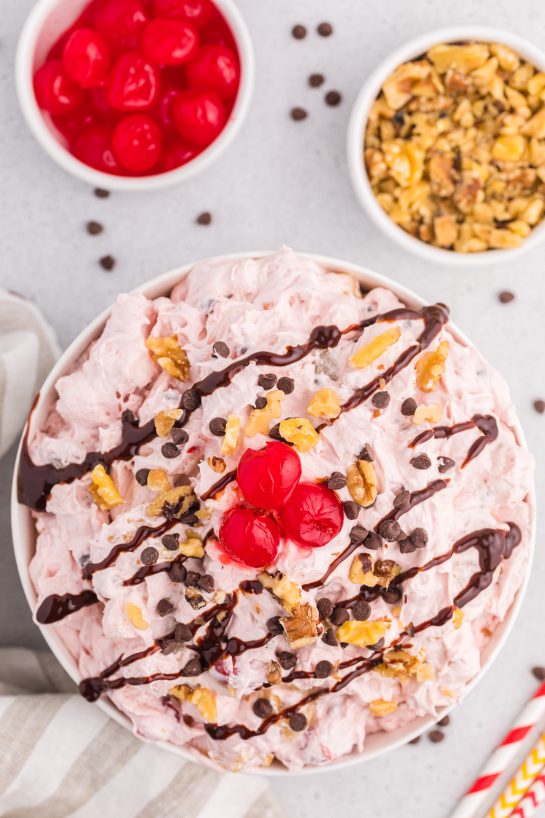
(325, 29)
(299, 32)
(107, 263)
(315, 80)
(204, 218)
(333, 98)
(298, 114)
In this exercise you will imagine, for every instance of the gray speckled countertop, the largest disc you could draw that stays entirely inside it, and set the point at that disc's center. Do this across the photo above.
(286, 182)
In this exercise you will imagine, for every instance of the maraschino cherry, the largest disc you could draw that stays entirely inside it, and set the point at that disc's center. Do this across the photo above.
(249, 537)
(268, 476)
(86, 57)
(313, 515)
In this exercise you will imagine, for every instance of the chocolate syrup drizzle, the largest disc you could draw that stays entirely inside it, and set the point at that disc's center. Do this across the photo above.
(142, 534)
(486, 424)
(56, 607)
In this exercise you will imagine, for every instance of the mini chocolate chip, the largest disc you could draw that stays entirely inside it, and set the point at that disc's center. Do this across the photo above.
(141, 477)
(191, 399)
(325, 29)
(298, 114)
(539, 673)
(421, 461)
(193, 668)
(506, 296)
(377, 646)
(94, 228)
(164, 607)
(195, 600)
(351, 509)
(299, 32)
(274, 432)
(298, 722)
(220, 350)
(390, 530)
(380, 400)
(286, 385)
(267, 381)
(192, 579)
(107, 263)
(402, 500)
(149, 555)
(329, 638)
(392, 595)
(539, 406)
(217, 426)
(408, 407)
(287, 660)
(444, 722)
(366, 454)
(358, 534)
(361, 610)
(171, 541)
(407, 546)
(436, 736)
(206, 583)
(419, 537)
(333, 98)
(177, 572)
(262, 708)
(260, 402)
(445, 464)
(251, 586)
(204, 218)
(336, 481)
(325, 607)
(373, 541)
(339, 615)
(100, 193)
(169, 646)
(315, 80)
(169, 450)
(182, 632)
(323, 669)
(415, 740)
(274, 625)
(179, 436)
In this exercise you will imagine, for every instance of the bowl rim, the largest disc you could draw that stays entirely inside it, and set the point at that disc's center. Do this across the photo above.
(24, 533)
(358, 123)
(36, 119)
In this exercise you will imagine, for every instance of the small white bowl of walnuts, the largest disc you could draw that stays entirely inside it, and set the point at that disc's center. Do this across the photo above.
(446, 145)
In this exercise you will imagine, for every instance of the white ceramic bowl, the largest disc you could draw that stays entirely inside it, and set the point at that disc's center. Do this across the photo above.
(47, 20)
(24, 534)
(358, 123)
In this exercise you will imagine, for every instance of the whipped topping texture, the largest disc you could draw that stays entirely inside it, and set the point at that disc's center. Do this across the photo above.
(187, 642)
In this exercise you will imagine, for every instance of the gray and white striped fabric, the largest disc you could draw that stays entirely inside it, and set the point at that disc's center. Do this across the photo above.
(63, 758)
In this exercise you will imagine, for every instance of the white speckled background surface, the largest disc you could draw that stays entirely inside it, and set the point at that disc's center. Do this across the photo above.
(286, 182)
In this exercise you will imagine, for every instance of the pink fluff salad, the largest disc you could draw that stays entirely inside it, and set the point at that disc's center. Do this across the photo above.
(267, 304)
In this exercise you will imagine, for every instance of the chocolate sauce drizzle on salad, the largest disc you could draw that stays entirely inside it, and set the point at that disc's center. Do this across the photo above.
(56, 606)
(486, 424)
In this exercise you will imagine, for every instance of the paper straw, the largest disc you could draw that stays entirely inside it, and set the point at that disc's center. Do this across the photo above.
(502, 757)
(533, 798)
(521, 782)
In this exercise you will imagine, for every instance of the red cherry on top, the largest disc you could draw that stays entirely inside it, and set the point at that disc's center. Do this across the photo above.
(267, 477)
(169, 42)
(55, 92)
(86, 57)
(197, 12)
(120, 21)
(136, 143)
(133, 84)
(215, 67)
(198, 116)
(249, 536)
(313, 515)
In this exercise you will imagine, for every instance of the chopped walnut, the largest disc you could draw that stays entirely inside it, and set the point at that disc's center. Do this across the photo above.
(230, 438)
(361, 481)
(192, 547)
(325, 404)
(386, 571)
(427, 413)
(274, 673)
(364, 633)
(158, 480)
(103, 489)
(458, 618)
(165, 420)
(168, 353)
(200, 697)
(401, 665)
(134, 614)
(430, 367)
(369, 353)
(281, 586)
(300, 432)
(174, 502)
(260, 419)
(381, 707)
(301, 626)
(361, 571)
(217, 464)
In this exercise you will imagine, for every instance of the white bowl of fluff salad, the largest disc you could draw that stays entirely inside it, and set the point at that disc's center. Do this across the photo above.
(274, 513)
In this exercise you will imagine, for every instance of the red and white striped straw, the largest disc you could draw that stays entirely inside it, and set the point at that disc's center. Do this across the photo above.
(502, 757)
(532, 800)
